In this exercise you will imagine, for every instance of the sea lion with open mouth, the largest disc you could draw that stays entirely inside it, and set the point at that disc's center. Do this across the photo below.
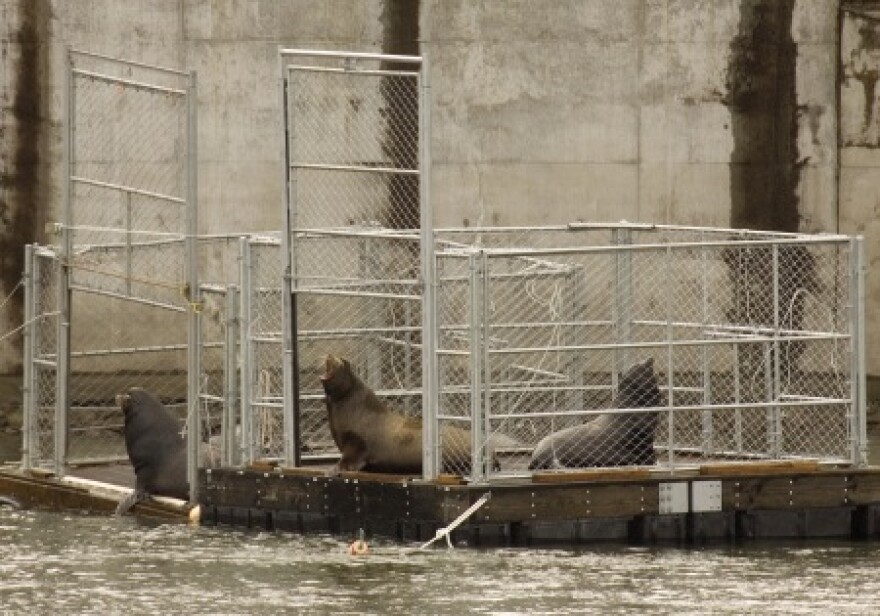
(374, 438)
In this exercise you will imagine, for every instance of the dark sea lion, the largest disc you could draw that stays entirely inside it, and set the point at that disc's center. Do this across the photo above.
(375, 438)
(622, 439)
(155, 447)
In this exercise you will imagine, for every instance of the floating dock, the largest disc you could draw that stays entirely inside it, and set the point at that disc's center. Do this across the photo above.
(714, 503)
(93, 490)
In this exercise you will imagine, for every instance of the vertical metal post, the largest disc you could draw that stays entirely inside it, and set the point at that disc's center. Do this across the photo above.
(129, 268)
(858, 386)
(478, 343)
(289, 346)
(194, 323)
(737, 398)
(705, 369)
(622, 304)
(63, 298)
(229, 451)
(775, 387)
(430, 393)
(576, 314)
(248, 368)
(29, 411)
(670, 369)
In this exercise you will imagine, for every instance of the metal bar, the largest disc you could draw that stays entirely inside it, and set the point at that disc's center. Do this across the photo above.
(248, 370)
(290, 345)
(622, 303)
(858, 385)
(349, 71)
(777, 414)
(599, 226)
(141, 85)
(129, 351)
(479, 369)
(128, 189)
(654, 345)
(231, 395)
(354, 168)
(843, 402)
(308, 291)
(705, 371)
(320, 53)
(430, 368)
(194, 324)
(572, 250)
(62, 374)
(670, 369)
(29, 409)
(737, 398)
(163, 69)
(129, 268)
(129, 298)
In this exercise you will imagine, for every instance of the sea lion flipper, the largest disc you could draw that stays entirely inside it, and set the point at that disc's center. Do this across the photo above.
(130, 501)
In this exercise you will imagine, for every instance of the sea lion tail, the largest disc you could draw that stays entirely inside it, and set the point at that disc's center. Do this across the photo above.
(130, 501)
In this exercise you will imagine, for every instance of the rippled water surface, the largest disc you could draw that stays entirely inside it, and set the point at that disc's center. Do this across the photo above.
(67, 564)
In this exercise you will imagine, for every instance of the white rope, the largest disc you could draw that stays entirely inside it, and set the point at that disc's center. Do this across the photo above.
(11, 293)
(444, 532)
(26, 323)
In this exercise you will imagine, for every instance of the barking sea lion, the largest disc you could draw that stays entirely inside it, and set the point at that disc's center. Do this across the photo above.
(620, 439)
(373, 437)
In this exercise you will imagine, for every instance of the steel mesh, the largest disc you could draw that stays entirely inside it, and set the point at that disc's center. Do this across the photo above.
(354, 170)
(748, 336)
(126, 226)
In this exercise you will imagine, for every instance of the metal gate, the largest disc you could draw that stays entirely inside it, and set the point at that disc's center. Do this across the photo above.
(128, 293)
(357, 242)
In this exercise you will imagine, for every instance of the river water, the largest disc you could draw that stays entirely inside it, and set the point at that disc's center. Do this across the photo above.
(72, 564)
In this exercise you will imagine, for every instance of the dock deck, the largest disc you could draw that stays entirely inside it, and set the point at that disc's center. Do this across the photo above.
(724, 502)
(89, 489)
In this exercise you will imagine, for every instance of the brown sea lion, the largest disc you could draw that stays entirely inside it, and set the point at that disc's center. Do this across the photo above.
(373, 437)
(618, 439)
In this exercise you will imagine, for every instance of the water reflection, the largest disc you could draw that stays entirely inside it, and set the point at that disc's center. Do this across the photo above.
(78, 564)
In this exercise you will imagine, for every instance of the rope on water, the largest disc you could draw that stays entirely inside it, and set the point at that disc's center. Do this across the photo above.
(446, 530)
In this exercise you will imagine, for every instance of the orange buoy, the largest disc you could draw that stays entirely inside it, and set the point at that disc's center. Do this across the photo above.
(358, 547)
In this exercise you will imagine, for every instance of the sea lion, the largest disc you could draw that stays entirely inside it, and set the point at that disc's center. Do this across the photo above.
(155, 446)
(621, 439)
(374, 438)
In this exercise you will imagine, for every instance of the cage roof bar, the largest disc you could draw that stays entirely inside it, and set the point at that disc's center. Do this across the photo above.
(321, 53)
(100, 56)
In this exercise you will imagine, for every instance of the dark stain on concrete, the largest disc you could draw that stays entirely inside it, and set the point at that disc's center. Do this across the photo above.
(764, 176)
(861, 62)
(762, 98)
(400, 21)
(25, 174)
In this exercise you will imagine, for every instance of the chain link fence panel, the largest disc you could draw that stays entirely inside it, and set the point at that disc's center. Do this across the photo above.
(40, 358)
(126, 241)
(354, 240)
(751, 341)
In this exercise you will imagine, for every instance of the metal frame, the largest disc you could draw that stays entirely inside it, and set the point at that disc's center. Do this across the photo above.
(290, 292)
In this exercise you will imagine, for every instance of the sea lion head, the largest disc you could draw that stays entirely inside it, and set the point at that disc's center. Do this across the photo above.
(638, 386)
(337, 378)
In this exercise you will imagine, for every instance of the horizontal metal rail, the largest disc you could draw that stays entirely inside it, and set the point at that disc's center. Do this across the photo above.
(140, 85)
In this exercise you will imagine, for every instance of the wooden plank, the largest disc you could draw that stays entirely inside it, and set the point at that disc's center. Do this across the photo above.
(793, 491)
(570, 502)
(599, 474)
(759, 468)
(47, 493)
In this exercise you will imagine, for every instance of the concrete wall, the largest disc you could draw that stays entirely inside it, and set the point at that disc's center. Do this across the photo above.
(681, 111)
